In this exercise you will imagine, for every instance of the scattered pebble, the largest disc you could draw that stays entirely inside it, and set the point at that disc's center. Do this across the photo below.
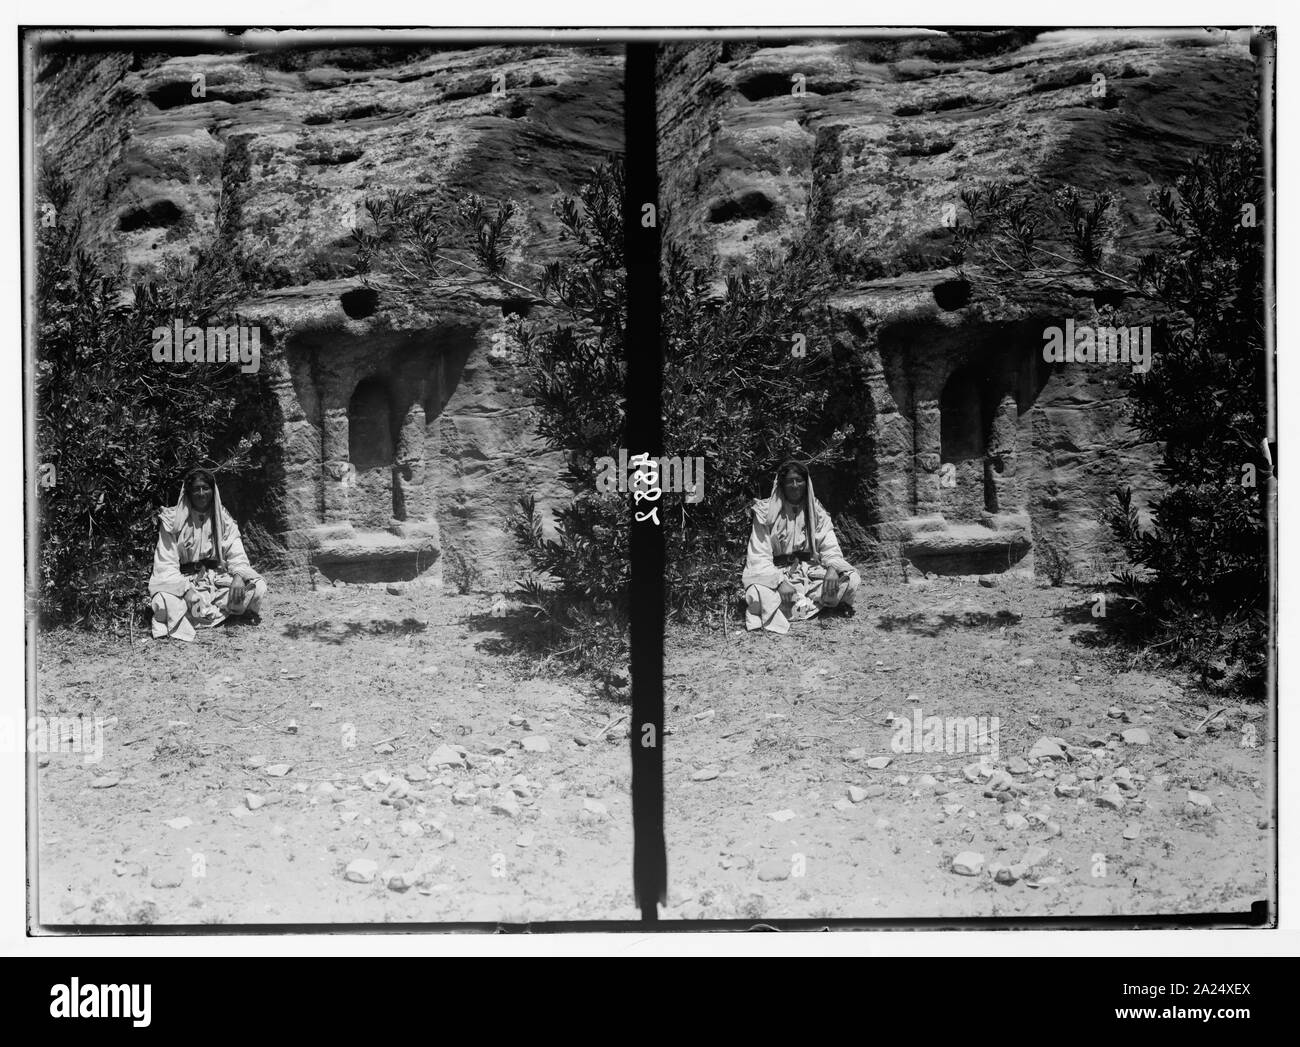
(1136, 736)
(105, 782)
(180, 823)
(253, 801)
(444, 756)
(781, 816)
(1132, 831)
(506, 803)
(774, 869)
(166, 881)
(857, 794)
(879, 763)
(536, 743)
(1005, 874)
(968, 863)
(1046, 748)
(279, 770)
(361, 871)
(705, 775)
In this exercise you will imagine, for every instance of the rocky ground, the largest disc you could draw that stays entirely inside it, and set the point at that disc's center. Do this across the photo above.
(360, 757)
(788, 796)
(369, 757)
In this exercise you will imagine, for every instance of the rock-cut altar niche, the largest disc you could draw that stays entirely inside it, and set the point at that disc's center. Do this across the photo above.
(959, 394)
(372, 402)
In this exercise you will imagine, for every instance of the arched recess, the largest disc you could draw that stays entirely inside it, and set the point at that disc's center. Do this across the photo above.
(965, 415)
(371, 451)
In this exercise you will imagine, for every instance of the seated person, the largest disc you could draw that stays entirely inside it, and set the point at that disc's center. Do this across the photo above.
(201, 574)
(794, 568)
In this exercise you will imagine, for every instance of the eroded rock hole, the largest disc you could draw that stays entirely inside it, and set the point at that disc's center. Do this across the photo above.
(952, 294)
(155, 215)
(749, 205)
(360, 303)
(758, 86)
(176, 93)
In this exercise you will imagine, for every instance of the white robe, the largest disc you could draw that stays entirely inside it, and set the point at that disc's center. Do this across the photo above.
(186, 536)
(780, 528)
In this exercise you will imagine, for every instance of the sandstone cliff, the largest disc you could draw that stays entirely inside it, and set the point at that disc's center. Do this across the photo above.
(404, 431)
(975, 441)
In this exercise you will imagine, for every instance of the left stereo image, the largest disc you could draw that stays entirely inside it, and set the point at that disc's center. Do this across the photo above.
(323, 346)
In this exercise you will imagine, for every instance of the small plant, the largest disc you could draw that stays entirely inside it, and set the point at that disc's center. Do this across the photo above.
(1050, 557)
(458, 570)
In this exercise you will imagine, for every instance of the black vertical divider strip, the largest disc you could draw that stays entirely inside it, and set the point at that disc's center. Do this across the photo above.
(645, 436)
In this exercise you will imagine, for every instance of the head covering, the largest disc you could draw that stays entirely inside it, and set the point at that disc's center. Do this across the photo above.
(181, 513)
(768, 509)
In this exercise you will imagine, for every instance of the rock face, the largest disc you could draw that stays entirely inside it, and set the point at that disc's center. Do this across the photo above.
(977, 449)
(406, 434)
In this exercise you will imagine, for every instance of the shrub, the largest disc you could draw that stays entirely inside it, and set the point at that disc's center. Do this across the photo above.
(1205, 585)
(118, 429)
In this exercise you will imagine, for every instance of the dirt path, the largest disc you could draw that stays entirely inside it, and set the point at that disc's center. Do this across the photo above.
(770, 726)
(354, 690)
(789, 724)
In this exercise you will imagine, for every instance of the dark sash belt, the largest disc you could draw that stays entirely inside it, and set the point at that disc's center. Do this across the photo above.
(199, 565)
(786, 559)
